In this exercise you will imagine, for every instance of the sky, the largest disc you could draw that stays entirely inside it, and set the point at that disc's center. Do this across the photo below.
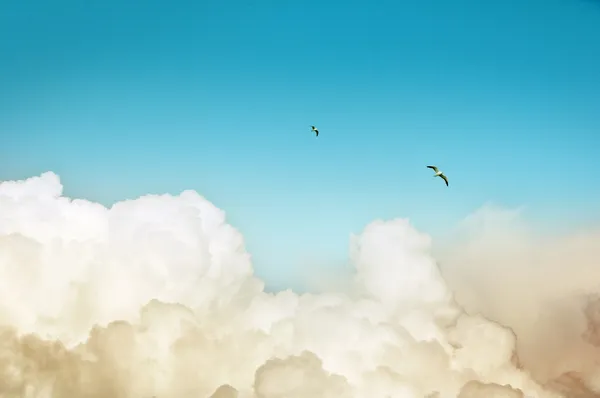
(122, 99)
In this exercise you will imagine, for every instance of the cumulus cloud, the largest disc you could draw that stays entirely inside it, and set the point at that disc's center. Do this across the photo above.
(156, 297)
(545, 287)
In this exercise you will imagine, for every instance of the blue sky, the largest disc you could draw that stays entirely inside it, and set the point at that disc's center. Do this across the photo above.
(123, 99)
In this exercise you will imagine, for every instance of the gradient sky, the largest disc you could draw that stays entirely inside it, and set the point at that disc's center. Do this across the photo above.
(122, 99)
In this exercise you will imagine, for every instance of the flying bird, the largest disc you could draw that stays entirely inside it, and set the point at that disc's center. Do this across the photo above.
(313, 128)
(438, 173)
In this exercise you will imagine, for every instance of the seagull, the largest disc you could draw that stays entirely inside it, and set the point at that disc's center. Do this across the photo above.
(438, 173)
(313, 128)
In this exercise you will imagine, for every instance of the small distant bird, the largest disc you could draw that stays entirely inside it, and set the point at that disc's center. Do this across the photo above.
(313, 128)
(438, 173)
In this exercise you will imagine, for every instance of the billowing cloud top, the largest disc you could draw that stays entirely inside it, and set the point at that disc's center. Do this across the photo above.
(156, 297)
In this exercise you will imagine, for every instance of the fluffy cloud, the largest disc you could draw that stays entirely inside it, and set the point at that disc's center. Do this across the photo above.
(156, 297)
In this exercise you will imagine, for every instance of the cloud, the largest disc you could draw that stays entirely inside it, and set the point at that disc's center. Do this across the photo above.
(544, 287)
(156, 297)
(297, 377)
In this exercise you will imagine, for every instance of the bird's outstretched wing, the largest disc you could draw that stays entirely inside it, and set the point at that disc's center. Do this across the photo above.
(434, 168)
(444, 178)
(317, 132)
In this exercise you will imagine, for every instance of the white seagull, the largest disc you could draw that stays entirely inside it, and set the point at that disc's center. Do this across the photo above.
(313, 128)
(438, 173)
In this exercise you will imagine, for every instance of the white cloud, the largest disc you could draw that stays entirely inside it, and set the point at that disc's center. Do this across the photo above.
(157, 297)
